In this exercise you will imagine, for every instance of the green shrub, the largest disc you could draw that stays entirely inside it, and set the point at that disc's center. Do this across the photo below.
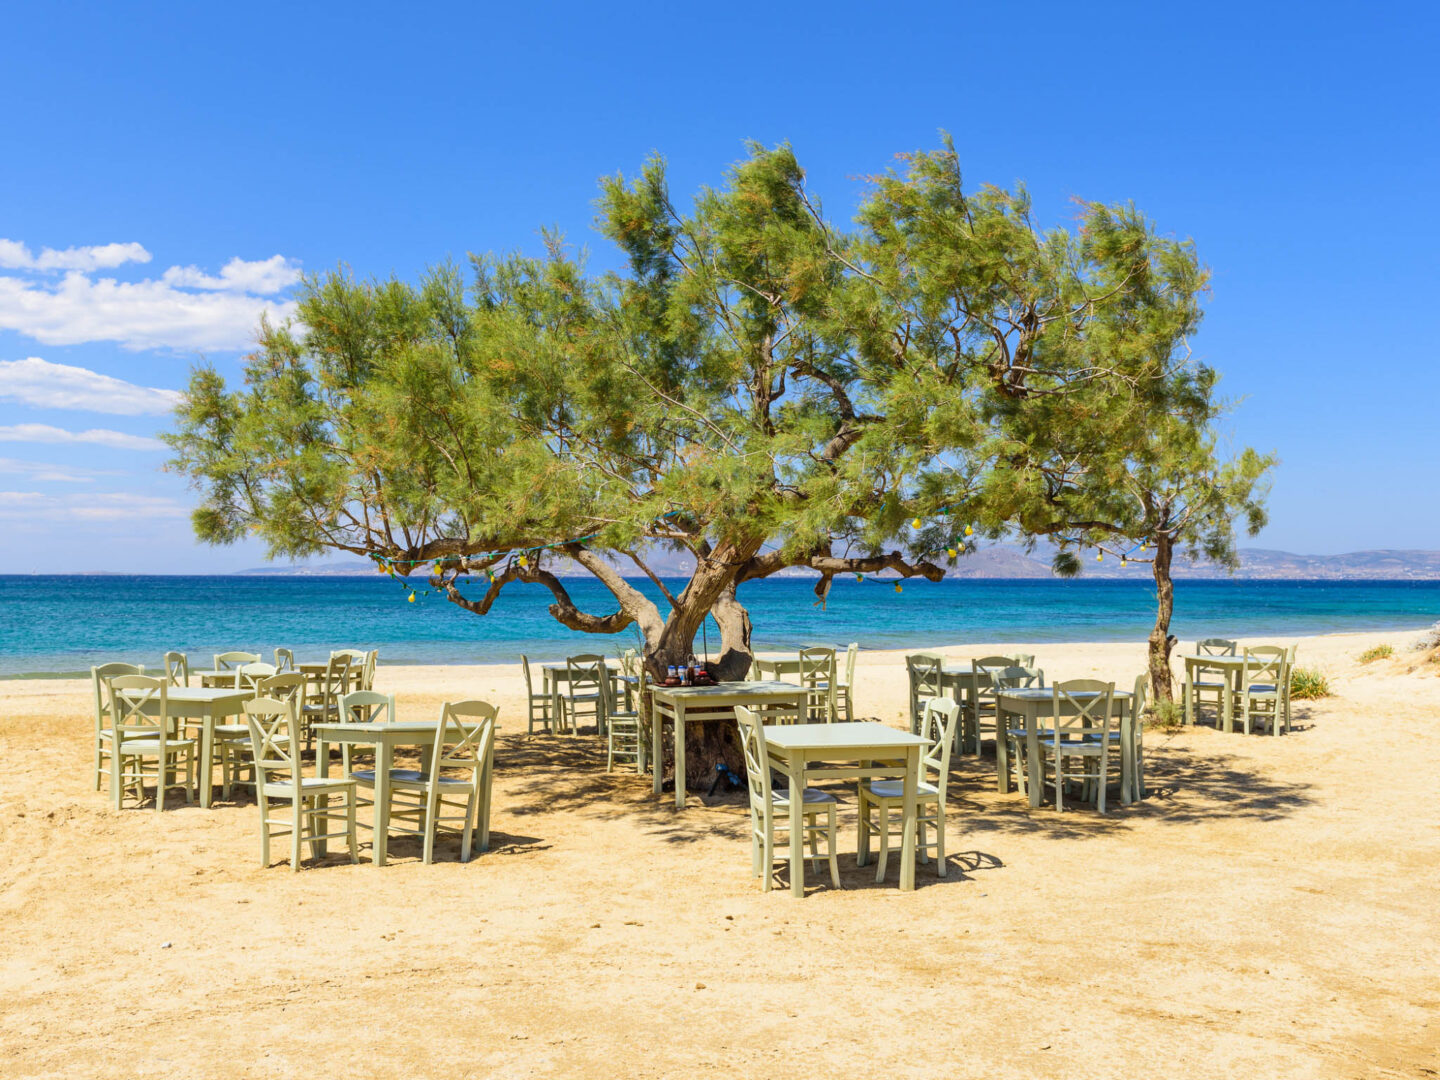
(1167, 715)
(1308, 683)
(1376, 652)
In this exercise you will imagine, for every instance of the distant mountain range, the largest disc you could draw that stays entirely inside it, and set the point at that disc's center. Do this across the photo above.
(1004, 561)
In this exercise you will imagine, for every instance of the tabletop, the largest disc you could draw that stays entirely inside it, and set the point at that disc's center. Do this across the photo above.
(370, 727)
(866, 734)
(1198, 659)
(1037, 693)
(730, 689)
(199, 693)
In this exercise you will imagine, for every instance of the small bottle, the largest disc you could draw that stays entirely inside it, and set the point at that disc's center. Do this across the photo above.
(672, 676)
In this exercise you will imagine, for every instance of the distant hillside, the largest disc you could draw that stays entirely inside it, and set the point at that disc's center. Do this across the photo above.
(1003, 561)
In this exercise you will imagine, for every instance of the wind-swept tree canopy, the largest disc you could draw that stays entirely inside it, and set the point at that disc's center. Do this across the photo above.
(758, 386)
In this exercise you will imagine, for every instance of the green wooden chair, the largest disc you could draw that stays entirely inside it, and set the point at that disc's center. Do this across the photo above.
(144, 731)
(584, 691)
(1079, 745)
(177, 669)
(307, 810)
(939, 719)
(983, 706)
(624, 734)
(284, 660)
(422, 800)
(233, 741)
(924, 671)
(770, 810)
(817, 675)
(538, 705)
(322, 697)
(104, 732)
(1264, 689)
(1211, 691)
(845, 683)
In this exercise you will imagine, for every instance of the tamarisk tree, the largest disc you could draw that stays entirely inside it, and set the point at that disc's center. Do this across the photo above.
(758, 387)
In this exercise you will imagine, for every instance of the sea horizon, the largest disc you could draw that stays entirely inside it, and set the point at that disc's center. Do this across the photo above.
(61, 625)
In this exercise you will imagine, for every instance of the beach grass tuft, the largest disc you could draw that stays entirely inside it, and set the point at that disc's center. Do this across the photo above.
(1307, 684)
(1376, 652)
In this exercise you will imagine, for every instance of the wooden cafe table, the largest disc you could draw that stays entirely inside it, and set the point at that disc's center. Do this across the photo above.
(1230, 668)
(861, 749)
(207, 704)
(679, 705)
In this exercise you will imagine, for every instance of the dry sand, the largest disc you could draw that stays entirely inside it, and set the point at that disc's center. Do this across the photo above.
(1270, 911)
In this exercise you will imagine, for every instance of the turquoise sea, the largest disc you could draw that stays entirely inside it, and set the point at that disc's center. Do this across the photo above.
(65, 624)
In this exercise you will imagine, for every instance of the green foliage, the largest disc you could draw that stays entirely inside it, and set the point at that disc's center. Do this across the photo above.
(1376, 652)
(758, 386)
(1167, 716)
(1309, 683)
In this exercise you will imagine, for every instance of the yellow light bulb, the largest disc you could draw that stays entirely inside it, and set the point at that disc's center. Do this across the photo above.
(951, 552)
(524, 561)
(859, 577)
(969, 531)
(1099, 556)
(915, 524)
(1123, 564)
(411, 598)
(898, 588)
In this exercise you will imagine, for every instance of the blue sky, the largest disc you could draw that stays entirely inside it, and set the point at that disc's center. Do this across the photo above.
(169, 168)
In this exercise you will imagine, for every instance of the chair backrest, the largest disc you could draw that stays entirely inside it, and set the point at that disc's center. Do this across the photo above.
(335, 683)
(354, 656)
(98, 678)
(587, 673)
(287, 686)
(937, 725)
(177, 669)
(988, 662)
(367, 707)
(248, 675)
(1216, 646)
(1139, 697)
(630, 663)
(764, 670)
(284, 660)
(817, 665)
(1264, 663)
(851, 652)
(464, 736)
(924, 670)
(1025, 659)
(1082, 706)
(757, 761)
(1013, 678)
(525, 668)
(228, 661)
(138, 705)
(272, 736)
(367, 672)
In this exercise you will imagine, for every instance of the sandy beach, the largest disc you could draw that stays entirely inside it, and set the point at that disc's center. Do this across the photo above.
(1271, 910)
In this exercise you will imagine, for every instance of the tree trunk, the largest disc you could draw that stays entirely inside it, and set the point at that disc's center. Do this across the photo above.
(711, 591)
(1161, 686)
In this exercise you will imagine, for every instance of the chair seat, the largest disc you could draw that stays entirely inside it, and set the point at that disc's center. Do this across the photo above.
(404, 777)
(895, 789)
(108, 733)
(1085, 746)
(307, 783)
(810, 797)
(1262, 688)
(152, 746)
(582, 697)
(1207, 684)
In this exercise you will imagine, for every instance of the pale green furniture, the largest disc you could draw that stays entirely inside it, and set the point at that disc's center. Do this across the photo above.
(144, 730)
(845, 683)
(223, 673)
(1021, 709)
(679, 705)
(925, 672)
(323, 692)
(1263, 690)
(1077, 746)
(585, 691)
(817, 675)
(1209, 686)
(624, 738)
(104, 733)
(770, 809)
(275, 736)
(202, 708)
(859, 750)
(424, 799)
(938, 723)
(177, 669)
(538, 706)
(284, 660)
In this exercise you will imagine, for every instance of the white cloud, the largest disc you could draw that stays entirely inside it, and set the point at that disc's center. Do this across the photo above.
(44, 473)
(38, 382)
(44, 433)
(16, 256)
(105, 506)
(184, 308)
(263, 277)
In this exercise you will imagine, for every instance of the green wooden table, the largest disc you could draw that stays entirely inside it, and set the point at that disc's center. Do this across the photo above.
(1031, 704)
(205, 704)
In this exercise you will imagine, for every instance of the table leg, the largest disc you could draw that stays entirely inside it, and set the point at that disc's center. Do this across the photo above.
(322, 770)
(1189, 693)
(680, 755)
(1034, 779)
(1002, 748)
(909, 824)
(384, 759)
(1127, 754)
(207, 748)
(797, 824)
(657, 752)
(1228, 709)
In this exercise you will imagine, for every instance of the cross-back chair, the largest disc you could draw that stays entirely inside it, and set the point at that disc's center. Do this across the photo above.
(624, 735)
(144, 731)
(1263, 693)
(308, 811)
(233, 741)
(770, 809)
(817, 675)
(845, 683)
(537, 705)
(939, 719)
(322, 698)
(177, 669)
(584, 691)
(1208, 686)
(104, 732)
(424, 799)
(925, 672)
(284, 660)
(1078, 745)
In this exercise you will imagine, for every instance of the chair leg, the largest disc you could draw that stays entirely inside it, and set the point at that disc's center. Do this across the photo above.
(352, 836)
(884, 831)
(834, 863)
(264, 832)
(432, 812)
(297, 813)
(939, 840)
(767, 855)
(862, 840)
